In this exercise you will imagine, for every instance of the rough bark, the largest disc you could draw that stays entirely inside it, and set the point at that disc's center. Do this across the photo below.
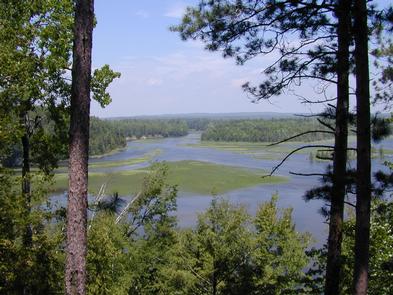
(75, 271)
(333, 268)
(363, 179)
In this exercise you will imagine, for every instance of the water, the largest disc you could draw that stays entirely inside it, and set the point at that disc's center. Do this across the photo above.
(305, 214)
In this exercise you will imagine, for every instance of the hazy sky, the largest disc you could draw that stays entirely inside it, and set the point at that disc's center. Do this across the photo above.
(162, 74)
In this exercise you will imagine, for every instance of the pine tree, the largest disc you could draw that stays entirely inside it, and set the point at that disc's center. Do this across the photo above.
(245, 29)
(75, 269)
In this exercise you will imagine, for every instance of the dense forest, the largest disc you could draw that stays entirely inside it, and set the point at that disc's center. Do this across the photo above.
(265, 130)
(150, 128)
(104, 137)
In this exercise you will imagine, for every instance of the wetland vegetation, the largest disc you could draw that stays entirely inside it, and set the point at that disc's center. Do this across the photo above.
(190, 176)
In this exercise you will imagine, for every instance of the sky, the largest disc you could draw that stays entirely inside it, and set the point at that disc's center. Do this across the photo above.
(161, 74)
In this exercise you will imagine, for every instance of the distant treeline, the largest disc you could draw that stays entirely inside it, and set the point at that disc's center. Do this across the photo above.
(107, 135)
(264, 130)
(104, 137)
(136, 128)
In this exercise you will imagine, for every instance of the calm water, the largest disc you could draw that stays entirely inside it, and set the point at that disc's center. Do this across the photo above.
(305, 214)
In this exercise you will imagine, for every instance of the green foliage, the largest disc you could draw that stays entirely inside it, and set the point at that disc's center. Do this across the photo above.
(108, 260)
(140, 251)
(381, 249)
(381, 254)
(104, 137)
(216, 255)
(38, 268)
(127, 257)
(227, 253)
(280, 250)
(101, 79)
(36, 38)
(108, 135)
(138, 128)
(264, 130)
(151, 209)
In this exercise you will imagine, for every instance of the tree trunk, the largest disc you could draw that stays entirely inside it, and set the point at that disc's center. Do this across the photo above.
(26, 192)
(75, 270)
(363, 179)
(26, 183)
(333, 268)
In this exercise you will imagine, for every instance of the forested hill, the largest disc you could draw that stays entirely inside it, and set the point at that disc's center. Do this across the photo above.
(264, 130)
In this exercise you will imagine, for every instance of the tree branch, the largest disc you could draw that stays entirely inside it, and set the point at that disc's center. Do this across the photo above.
(294, 151)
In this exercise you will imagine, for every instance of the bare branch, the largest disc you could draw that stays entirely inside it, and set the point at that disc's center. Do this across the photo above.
(300, 134)
(308, 174)
(326, 125)
(126, 208)
(350, 204)
(294, 151)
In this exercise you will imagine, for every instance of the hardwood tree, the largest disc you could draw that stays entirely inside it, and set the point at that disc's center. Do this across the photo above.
(36, 38)
(35, 51)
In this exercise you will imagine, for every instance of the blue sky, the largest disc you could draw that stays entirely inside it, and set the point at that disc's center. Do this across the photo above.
(162, 74)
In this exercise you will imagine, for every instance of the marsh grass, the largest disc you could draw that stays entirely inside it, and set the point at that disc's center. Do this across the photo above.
(190, 176)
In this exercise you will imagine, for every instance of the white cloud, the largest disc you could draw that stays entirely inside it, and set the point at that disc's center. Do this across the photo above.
(154, 82)
(187, 81)
(237, 83)
(142, 13)
(176, 11)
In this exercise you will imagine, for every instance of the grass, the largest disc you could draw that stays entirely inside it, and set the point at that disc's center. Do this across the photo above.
(258, 150)
(112, 164)
(190, 176)
(124, 182)
(261, 150)
(110, 153)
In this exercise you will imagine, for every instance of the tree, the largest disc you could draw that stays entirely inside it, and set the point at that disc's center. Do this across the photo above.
(215, 257)
(363, 143)
(245, 29)
(36, 269)
(75, 269)
(279, 252)
(229, 252)
(128, 251)
(35, 51)
(338, 191)
(381, 249)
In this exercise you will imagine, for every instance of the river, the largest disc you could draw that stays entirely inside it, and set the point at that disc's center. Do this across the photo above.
(305, 214)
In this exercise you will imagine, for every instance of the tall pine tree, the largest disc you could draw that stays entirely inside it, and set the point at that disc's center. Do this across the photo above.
(75, 270)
